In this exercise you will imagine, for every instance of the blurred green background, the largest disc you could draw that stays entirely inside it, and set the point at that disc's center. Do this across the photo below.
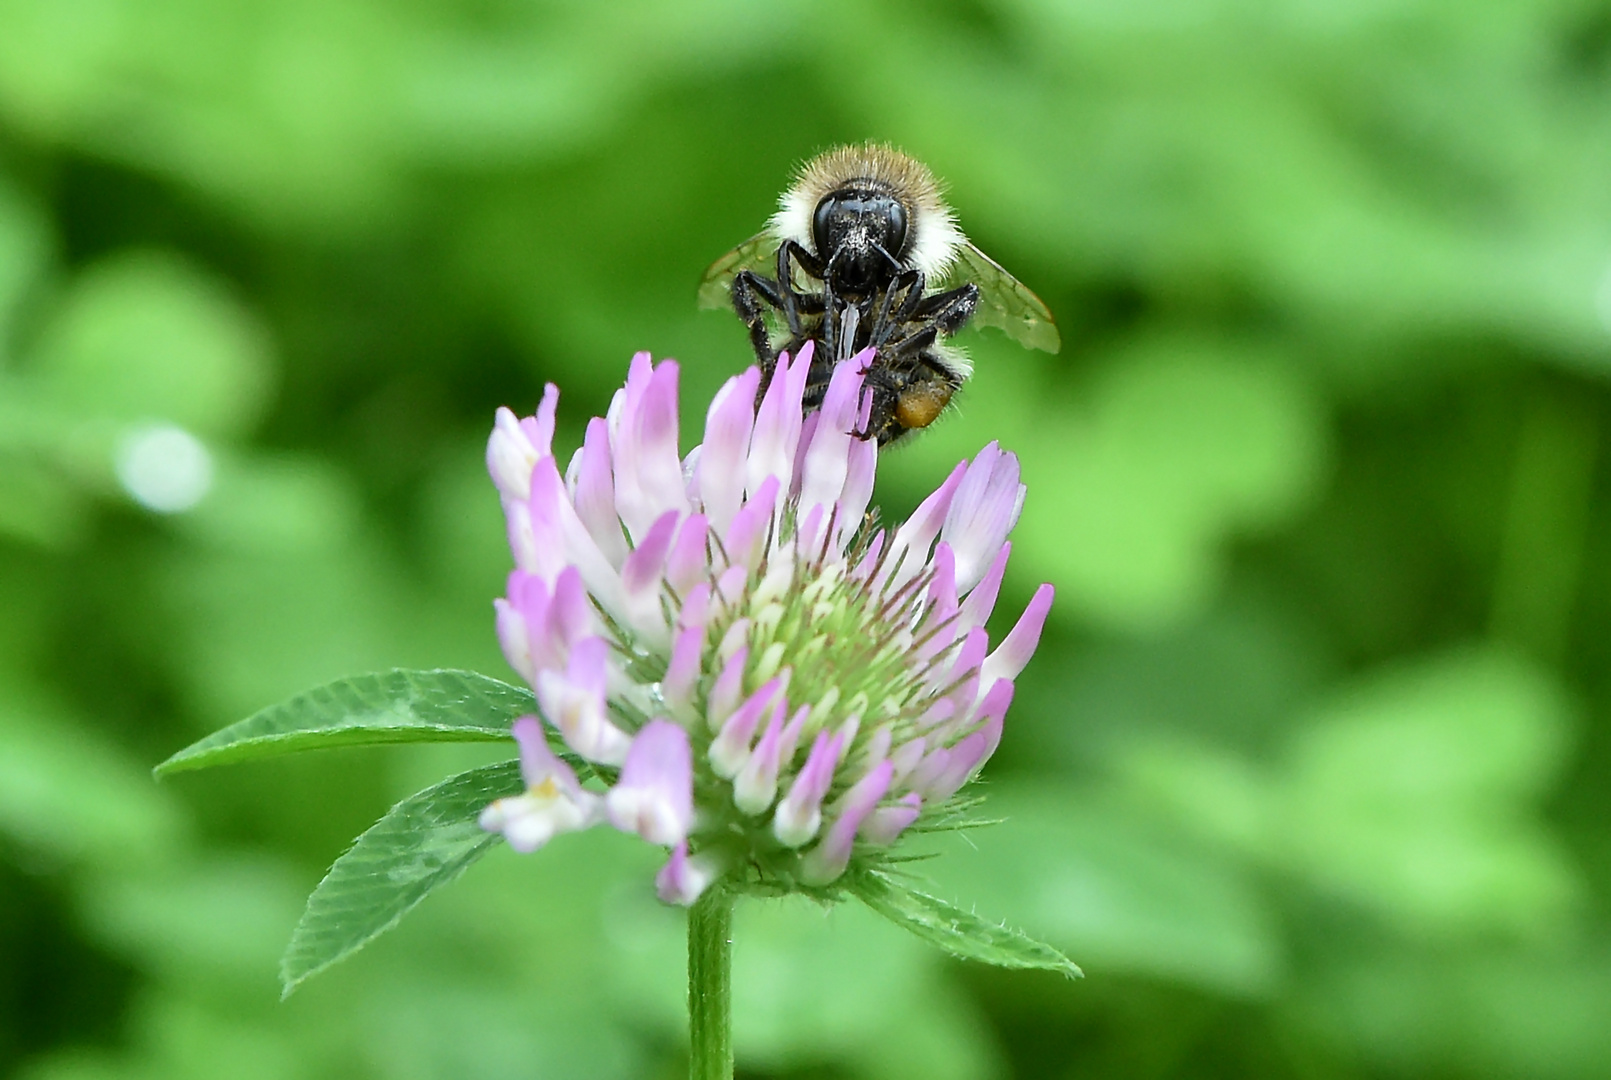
(1313, 771)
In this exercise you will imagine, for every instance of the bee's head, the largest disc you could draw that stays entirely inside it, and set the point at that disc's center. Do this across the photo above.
(860, 232)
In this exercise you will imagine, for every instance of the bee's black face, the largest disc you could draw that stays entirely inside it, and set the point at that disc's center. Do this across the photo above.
(860, 233)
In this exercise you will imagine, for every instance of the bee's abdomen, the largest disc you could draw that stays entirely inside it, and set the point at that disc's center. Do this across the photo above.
(921, 404)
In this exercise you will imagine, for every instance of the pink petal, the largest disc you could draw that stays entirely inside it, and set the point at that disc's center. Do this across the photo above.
(683, 879)
(594, 493)
(983, 512)
(565, 541)
(648, 469)
(569, 619)
(511, 453)
(641, 573)
(938, 713)
(538, 763)
(778, 421)
(682, 671)
(688, 564)
(993, 713)
(828, 859)
(730, 584)
(968, 658)
(939, 624)
(654, 796)
(756, 784)
(513, 639)
(723, 459)
(792, 732)
(959, 765)
(940, 775)
(695, 606)
(906, 757)
(861, 465)
(1017, 647)
(731, 748)
(799, 815)
(876, 748)
(541, 623)
(933, 765)
(729, 688)
(628, 399)
(808, 535)
(751, 525)
(808, 431)
(734, 639)
(523, 541)
(826, 462)
(553, 801)
(981, 600)
(869, 561)
(909, 547)
(888, 822)
(574, 702)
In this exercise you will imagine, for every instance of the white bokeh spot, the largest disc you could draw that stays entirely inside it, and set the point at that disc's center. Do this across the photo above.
(164, 468)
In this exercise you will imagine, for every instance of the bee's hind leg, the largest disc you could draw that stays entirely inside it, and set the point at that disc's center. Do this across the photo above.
(884, 387)
(950, 310)
(942, 313)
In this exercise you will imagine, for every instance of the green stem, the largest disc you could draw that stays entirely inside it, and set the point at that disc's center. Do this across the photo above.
(710, 986)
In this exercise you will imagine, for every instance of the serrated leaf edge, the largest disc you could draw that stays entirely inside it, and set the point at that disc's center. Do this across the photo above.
(209, 751)
(288, 982)
(874, 889)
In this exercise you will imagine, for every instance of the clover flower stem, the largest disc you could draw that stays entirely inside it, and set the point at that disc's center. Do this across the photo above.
(710, 986)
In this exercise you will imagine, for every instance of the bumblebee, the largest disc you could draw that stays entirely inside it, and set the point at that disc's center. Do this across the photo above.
(865, 253)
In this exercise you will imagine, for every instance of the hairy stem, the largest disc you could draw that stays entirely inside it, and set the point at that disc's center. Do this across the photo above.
(710, 986)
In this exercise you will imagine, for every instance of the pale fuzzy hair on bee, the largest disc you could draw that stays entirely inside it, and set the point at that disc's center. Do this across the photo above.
(954, 358)
(933, 227)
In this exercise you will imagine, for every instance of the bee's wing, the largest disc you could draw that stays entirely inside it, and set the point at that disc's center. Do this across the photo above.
(716, 287)
(1005, 302)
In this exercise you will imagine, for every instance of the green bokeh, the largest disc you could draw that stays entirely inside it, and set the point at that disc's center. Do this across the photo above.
(1313, 771)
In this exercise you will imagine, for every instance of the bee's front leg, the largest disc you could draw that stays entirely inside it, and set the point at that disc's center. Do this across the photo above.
(908, 285)
(794, 302)
(750, 291)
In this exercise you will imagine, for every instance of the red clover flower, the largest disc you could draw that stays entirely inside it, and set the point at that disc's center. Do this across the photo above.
(769, 684)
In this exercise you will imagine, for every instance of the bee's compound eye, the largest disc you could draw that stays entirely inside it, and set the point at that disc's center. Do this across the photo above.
(894, 219)
(823, 225)
(860, 218)
(920, 405)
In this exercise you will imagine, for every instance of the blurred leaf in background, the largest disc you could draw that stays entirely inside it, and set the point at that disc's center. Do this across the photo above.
(1312, 770)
